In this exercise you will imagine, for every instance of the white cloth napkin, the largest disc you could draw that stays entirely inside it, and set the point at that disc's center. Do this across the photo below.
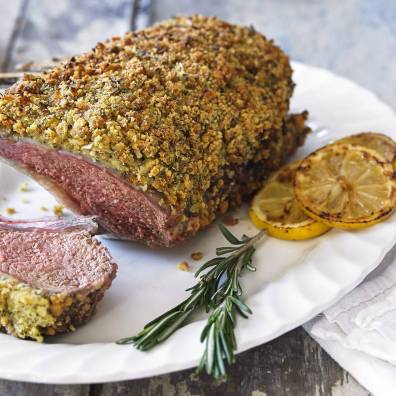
(359, 332)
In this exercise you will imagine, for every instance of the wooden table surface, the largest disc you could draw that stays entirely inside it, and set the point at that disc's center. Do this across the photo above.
(294, 364)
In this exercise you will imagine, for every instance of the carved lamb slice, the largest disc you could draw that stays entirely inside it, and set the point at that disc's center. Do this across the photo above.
(52, 275)
(159, 131)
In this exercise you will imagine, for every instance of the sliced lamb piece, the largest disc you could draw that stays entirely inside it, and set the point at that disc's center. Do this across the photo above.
(52, 275)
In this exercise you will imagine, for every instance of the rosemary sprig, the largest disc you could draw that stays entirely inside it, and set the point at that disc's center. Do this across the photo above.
(218, 292)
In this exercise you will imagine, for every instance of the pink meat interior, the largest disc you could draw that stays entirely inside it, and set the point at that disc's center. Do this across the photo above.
(55, 261)
(94, 190)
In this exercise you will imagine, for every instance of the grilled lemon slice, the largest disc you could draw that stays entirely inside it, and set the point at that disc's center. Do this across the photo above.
(276, 209)
(380, 143)
(345, 186)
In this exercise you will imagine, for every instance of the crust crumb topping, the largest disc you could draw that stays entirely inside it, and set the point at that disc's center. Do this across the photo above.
(183, 266)
(197, 256)
(178, 109)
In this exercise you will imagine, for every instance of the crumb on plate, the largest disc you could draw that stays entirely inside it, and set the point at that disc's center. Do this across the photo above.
(230, 221)
(58, 210)
(25, 201)
(24, 187)
(44, 209)
(10, 211)
(196, 256)
(183, 266)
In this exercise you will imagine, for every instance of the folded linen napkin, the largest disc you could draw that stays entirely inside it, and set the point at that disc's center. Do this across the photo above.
(359, 332)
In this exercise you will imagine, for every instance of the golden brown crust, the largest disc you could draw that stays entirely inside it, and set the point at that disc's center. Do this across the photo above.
(176, 109)
(28, 312)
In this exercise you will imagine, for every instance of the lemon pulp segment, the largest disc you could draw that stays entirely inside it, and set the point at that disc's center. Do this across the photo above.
(345, 186)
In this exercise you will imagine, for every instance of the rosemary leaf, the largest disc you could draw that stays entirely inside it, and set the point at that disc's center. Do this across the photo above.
(224, 250)
(229, 236)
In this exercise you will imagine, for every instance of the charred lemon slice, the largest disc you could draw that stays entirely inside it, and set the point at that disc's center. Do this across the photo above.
(345, 186)
(276, 209)
(378, 142)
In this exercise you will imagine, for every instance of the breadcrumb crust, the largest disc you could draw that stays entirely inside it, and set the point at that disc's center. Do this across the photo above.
(28, 312)
(177, 109)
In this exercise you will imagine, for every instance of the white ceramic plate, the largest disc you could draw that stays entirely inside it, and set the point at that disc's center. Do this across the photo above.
(294, 280)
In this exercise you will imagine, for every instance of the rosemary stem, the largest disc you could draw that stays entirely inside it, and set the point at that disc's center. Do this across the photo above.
(251, 242)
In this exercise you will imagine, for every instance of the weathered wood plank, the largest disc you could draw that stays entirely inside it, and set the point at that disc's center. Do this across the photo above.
(10, 20)
(10, 388)
(141, 16)
(67, 27)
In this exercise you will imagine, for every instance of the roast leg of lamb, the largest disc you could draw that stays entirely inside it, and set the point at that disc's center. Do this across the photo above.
(52, 275)
(157, 132)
